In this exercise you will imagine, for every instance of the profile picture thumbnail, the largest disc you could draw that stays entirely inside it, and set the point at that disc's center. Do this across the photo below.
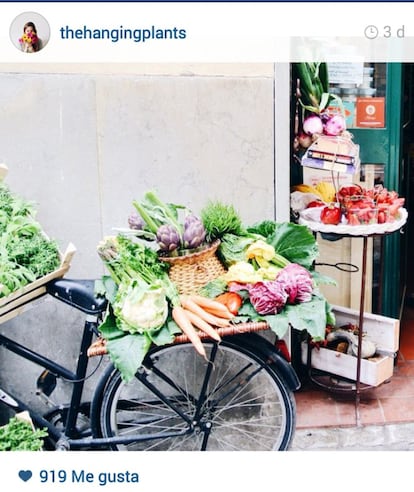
(30, 32)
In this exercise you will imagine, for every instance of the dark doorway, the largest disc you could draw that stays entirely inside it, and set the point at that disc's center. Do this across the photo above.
(407, 183)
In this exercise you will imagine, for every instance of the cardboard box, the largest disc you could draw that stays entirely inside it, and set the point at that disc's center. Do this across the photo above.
(383, 331)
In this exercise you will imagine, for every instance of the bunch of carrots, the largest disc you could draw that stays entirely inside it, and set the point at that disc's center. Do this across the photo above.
(197, 312)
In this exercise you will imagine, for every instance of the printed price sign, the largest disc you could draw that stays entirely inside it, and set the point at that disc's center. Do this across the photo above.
(370, 112)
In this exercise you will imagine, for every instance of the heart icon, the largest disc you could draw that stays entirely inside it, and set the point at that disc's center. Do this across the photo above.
(25, 475)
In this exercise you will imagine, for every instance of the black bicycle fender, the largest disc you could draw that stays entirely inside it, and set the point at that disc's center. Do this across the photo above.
(270, 354)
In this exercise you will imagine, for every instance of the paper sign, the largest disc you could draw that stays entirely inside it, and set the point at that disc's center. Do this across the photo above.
(346, 72)
(370, 112)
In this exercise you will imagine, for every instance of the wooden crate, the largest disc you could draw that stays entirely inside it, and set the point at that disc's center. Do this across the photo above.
(383, 331)
(17, 302)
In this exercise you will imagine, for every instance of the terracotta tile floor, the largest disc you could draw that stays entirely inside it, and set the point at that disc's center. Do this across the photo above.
(391, 402)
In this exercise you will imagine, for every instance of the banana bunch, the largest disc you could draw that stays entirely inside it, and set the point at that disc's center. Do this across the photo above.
(326, 191)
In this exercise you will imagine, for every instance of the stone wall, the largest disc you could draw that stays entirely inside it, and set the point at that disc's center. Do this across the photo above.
(83, 141)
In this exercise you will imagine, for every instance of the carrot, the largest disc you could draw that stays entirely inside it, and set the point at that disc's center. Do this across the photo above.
(202, 325)
(213, 320)
(180, 317)
(212, 306)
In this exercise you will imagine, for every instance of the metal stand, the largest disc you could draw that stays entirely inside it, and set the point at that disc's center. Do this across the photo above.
(357, 387)
(360, 330)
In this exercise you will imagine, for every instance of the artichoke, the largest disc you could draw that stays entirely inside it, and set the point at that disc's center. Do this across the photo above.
(168, 238)
(189, 219)
(194, 232)
(135, 222)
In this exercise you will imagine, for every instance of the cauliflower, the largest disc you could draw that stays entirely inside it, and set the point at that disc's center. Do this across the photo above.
(242, 272)
(261, 252)
(140, 307)
(269, 273)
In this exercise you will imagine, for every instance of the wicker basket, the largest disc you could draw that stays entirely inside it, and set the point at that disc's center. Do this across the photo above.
(98, 347)
(192, 271)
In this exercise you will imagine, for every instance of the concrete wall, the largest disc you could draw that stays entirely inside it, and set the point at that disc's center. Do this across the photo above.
(83, 142)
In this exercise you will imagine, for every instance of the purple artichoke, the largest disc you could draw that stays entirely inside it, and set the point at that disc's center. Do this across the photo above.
(194, 232)
(189, 219)
(267, 297)
(135, 222)
(168, 238)
(296, 282)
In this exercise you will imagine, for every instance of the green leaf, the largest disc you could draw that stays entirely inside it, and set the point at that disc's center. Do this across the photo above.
(279, 323)
(324, 100)
(165, 334)
(321, 279)
(109, 328)
(324, 76)
(310, 316)
(127, 353)
(314, 108)
(296, 243)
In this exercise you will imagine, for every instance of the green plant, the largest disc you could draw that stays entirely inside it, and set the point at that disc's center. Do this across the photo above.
(18, 435)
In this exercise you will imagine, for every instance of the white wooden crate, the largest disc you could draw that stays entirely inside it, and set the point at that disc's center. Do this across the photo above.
(383, 331)
(17, 302)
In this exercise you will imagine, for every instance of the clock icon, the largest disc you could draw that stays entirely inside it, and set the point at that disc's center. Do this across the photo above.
(371, 32)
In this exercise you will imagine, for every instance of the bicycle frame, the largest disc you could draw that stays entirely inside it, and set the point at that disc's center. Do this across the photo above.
(77, 378)
(68, 439)
(74, 294)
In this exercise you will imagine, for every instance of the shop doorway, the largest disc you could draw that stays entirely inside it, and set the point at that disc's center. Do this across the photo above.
(407, 183)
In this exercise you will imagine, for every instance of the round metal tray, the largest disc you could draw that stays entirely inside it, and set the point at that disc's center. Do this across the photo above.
(335, 384)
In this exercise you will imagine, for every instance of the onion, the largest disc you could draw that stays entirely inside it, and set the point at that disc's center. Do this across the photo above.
(312, 125)
(305, 140)
(335, 125)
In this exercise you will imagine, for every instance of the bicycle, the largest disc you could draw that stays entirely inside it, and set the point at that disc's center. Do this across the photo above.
(241, 398)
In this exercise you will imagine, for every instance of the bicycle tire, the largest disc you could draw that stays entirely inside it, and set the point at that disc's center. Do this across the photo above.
(248, 406)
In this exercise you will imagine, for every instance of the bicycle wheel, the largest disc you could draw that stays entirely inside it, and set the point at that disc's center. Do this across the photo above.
(180, 401)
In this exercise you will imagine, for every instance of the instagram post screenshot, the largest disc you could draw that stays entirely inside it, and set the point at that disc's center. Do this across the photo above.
(206, 277)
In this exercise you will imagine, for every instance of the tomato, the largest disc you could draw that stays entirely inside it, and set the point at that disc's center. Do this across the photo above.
(315, 203)
(352, 219)
(231, 300)
(351, 190)
(331, 214)
(382, 217)
(395, 205)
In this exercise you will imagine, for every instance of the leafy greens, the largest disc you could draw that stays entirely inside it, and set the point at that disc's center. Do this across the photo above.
(25, 252)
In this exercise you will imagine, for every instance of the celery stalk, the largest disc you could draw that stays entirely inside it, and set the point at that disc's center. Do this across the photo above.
(151, 224)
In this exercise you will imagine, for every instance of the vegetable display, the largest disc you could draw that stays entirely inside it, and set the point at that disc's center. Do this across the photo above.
(26, 254)
(268, 277)
(155, 220)
(18, 435)
(322, 113)
(352, 205)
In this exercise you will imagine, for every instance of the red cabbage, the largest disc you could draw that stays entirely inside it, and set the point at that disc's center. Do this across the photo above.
(267, 297)
(296, 282)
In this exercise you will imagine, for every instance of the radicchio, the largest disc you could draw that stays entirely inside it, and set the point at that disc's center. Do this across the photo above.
(267, 297)
(296, 281)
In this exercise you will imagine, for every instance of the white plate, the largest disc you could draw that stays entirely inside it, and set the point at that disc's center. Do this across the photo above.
(309, 219)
